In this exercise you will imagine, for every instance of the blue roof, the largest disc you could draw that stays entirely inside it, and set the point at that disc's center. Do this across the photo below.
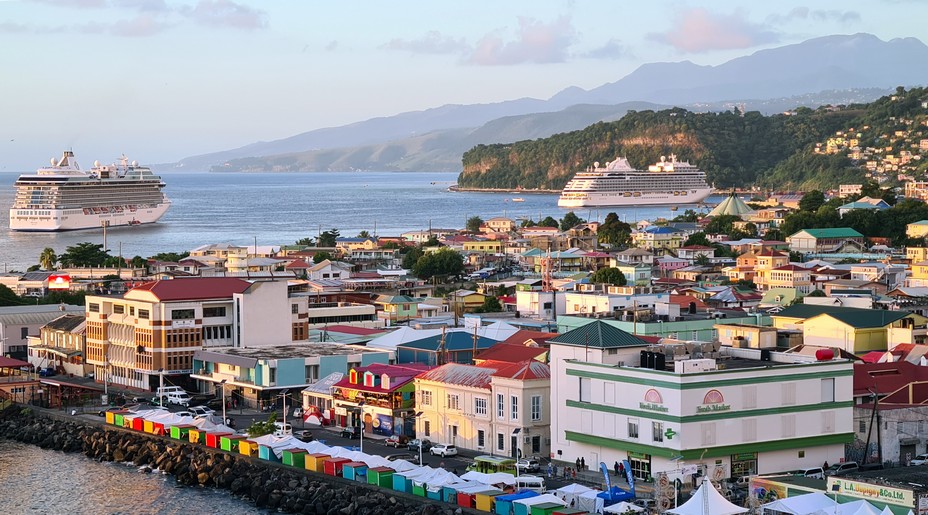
(661, 230)
(453, 342)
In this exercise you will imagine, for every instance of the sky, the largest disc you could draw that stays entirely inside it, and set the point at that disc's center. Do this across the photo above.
(160, 80)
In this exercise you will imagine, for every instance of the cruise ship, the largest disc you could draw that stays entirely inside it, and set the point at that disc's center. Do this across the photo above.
(62, 197)
(619, 184)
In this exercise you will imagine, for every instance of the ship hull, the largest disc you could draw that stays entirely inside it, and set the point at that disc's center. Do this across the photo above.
(619, 198)
(54, 220)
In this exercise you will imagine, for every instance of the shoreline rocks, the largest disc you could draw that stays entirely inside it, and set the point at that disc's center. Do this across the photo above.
(268, 485)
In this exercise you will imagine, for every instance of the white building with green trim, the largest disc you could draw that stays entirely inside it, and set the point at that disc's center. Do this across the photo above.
(733, 412)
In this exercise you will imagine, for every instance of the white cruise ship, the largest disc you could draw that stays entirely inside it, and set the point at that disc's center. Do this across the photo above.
(62, 197)
(618, 184)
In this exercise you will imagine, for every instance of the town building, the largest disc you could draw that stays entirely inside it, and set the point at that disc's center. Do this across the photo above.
(381, 396)
(825, 241)
(730, 412)
(17, 323)
(60, 346)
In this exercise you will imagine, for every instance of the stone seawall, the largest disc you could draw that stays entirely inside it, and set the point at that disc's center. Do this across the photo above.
(268, 485)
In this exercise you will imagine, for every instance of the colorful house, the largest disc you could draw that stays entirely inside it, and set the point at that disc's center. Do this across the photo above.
(382, 395)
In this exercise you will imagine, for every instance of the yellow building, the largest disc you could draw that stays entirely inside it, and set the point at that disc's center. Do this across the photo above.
(853, 330)
(919, 274)
(791, 276)
(768, 260)
(499, 224)
(916, 254)
(917, 229)
(488, 246)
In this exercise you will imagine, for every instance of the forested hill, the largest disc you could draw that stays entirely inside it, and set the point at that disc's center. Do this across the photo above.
(783, 151)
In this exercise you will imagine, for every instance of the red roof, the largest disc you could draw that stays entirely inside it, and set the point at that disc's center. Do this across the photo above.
(524, 371)
(511, 353)
(684, 301)
(886, 378)
(12, 363)
(195, 288)
(791, 268)
(770, 252)
(522, 336)
(350, 329)
(297, 263)
(399, 376)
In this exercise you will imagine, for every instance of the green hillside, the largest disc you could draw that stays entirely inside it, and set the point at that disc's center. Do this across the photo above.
(802, 149)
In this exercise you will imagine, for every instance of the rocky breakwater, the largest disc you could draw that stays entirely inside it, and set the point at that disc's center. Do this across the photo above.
(267, 485)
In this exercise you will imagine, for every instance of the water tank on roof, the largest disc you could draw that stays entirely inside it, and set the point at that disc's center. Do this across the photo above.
(644, 358)
(659, 361)
(825, 354)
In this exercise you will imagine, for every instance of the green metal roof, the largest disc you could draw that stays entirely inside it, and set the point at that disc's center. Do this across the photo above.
(834, 232)
(854, 317)
(598, 334)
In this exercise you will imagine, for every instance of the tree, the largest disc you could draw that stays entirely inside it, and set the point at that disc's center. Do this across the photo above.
(444, 261)
(570, 221)
(390, 245)
(474, 223)
(319, 257)
(528, 222)
(84, 254)
(490, 305)
(548, 222)
(697, 238)
(364, 234)
(411, 257)
(721, 224)
(328, 238)
(9, 298)
(688, 216)
(614, 231)
(609, 275)
(811, 201)
(795, 257)
(262, 427)
(170, 257)
(138, 262)
(701, 260)
(306, 242)
(47, 258)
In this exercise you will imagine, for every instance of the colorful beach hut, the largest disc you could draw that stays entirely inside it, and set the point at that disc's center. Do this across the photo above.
(248, 448)
(316, 462)
(111, 417)
(524, 506)
(230, 442)
(569, 511)
(401, 483)
(380, 476)
(197, 436)
(355, 471)
(294, 457)
(467, 496)
(213, 439)
(546, 508)
(484, 499)
(333, 466)
(504, 502)
(266, 452)
(181, 431)
(135, 422)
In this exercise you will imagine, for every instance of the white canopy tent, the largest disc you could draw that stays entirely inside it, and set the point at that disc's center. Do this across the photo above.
(887, 511)
(490, 479)
(569, 493)
(851, 508)
(590, 502)
(801, 504)
(540, 499)
(707, 501)
(622, 507)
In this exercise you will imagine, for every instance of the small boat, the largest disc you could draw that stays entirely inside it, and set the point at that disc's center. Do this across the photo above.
(673, 208)
(518, 199)
(134, 222)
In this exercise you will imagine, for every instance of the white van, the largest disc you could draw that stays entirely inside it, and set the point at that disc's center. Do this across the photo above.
(178, 398)
(533, 483)
(281, 429)
(164, 390)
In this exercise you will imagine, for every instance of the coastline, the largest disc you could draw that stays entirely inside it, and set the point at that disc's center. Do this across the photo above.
(456, 188)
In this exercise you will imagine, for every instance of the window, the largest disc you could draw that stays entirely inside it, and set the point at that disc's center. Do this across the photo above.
(426, 397)
(273, 375)
(862, 426)
(514, 403)
(749, 396)
(536, 407)
(118, 309)
(312, 373)
(182, 314)
(454, 402)
(143, 313)
(427, 428)
(708, 433)
(480, 406)
(828, 389)
(749, 429)
(500, 406)
(24, 333)
(633, 428)
(481, 438)
(586, 387)
(789, 393)
(93, 307)
(219, 311)
(657, 431)
(294, 308)
(131, 310)
(500, 441)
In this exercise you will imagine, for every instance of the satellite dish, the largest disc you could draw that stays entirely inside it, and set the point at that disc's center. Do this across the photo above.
(96, 163)
(596, 164)
(53, 161)
(135, 163)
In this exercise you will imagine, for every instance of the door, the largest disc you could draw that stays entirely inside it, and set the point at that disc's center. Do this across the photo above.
(906, 453)
(514, 448)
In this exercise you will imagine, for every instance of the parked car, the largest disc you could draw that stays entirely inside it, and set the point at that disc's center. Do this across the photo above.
(297, 412)
(814, 472)
(201, 410)
(281, 429)
(414, 445)
(350, 432)
(304, 435)
(528, 465)
(842, 468)
(215, 404)
(921, 459)
(443, 449)
(396, 441)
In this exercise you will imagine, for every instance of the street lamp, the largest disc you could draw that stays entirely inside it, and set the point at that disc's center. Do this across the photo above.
(222, 384)
(361, 427)
(161, 387)
(106, 382)
(283, 395)
(417, 415)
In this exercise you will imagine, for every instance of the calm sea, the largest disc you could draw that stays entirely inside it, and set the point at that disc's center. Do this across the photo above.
(282, 208)
(34, 480)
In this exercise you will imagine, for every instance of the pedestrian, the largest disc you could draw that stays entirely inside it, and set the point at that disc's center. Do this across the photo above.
(555, 469)
(582, 464)
(615, 467)
(574, 473)
(621, 469)
(825, 465)
(577, 463)
(549, 470)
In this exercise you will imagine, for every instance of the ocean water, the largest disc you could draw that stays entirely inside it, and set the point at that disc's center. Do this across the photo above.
(277, 208)
(35, 480)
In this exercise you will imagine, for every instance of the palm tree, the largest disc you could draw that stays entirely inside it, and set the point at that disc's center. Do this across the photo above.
(48, 259)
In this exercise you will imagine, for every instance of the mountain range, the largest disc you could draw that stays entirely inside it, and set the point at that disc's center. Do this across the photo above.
(837, 69)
